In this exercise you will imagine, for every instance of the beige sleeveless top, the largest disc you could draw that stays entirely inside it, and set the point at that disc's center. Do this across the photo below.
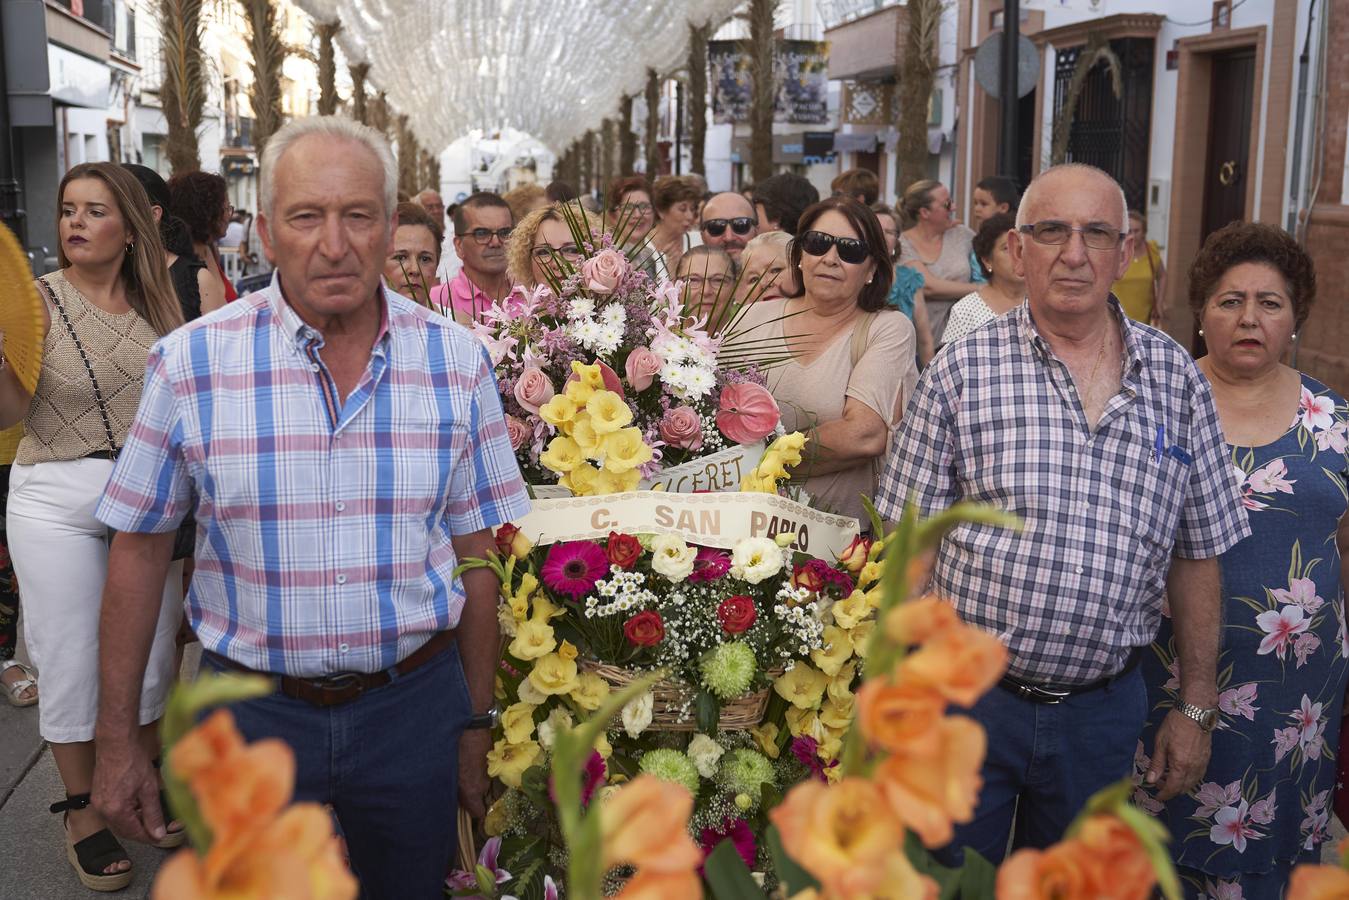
(63, 421)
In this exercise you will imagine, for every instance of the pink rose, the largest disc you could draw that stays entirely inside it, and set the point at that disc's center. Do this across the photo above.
(533, 389)
(747, 412)
(605, 271)
(682, 428)
(642, 367)
(518, 432)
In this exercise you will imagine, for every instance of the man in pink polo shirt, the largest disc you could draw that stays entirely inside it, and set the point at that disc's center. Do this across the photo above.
(482, 225)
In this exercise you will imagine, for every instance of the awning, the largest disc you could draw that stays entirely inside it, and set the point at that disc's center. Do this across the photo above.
(855, 142)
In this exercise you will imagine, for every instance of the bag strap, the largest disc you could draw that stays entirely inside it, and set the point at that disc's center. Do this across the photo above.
(113, 449)
(860, 333)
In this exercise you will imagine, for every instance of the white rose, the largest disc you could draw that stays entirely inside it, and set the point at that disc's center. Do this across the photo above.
(548, 728)
(530, 694)
(636, 714)
(756, 559)
(673, 558)
(705, 752)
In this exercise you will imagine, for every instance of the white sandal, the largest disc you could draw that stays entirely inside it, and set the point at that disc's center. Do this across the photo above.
(13, 691)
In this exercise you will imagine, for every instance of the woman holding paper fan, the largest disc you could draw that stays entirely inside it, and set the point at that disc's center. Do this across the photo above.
(847, 362)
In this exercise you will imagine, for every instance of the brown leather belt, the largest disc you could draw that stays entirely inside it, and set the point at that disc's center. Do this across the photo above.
(1050, 694)
(343, 687)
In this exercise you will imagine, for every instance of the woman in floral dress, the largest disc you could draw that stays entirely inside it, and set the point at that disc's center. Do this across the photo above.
(1265, 802)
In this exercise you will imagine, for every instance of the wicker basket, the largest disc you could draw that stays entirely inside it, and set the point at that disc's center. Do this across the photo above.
(671, 697)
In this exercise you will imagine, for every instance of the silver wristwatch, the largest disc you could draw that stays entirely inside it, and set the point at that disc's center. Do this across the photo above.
(1207, 718)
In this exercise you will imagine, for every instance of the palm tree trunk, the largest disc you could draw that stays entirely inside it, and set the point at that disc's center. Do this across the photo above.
(327, 68)
(698, 38)
(916, 75)
(407, 158)
(652, 124)
(627, 140)
(608, 150)
(379, 113)
(268, 55)
(358, 105)
(761, 66)
(183, 92)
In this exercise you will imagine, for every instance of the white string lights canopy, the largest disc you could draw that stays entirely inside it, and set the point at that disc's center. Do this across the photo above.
(553, 69)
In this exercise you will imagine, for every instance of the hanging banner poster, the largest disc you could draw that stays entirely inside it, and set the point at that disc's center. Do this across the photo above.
(709, 520)
(800, 69)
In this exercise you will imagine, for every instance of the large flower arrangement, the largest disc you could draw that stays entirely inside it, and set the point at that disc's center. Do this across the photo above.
(606, 379)
(757, 649)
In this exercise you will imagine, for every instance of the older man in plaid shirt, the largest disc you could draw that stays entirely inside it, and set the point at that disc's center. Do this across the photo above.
(346, 448)
(1102, 435)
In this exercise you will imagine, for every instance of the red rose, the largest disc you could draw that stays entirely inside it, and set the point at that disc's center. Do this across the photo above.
(645, 629)
(504, 536)
(736, 613)
(622, 550)
(804, 576)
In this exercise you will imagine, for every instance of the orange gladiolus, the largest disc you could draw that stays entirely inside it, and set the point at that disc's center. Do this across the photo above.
(649, 885)
(961, 662)
(1119, 853)
(929, 792)
(851, 844)
(900, 718)
(1311, 882)
(1104, 860)
(295, 857)
(919, 619)
(645, 824)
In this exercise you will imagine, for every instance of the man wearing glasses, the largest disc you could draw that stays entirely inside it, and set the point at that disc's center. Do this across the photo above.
(729, 223)
(1101, 434)
(482, 225)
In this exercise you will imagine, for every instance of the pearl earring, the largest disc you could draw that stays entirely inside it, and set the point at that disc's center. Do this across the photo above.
(1294, 335)
(1201, 332)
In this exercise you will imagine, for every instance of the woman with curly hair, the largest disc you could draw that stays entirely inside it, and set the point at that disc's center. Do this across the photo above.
(542, 248)
(1263, 805)
(200, 200)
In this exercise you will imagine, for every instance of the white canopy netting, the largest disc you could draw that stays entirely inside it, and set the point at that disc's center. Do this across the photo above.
(553, 69)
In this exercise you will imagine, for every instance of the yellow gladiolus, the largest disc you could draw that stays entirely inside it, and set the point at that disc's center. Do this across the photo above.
(586, 437)
(567, 651)
(803, 686)
(545, 609)
(581, 480)
(517, 722)
(494, 823)
(519, 606)
(837, 715)
(563, 454)
(836, 651)
(591, 691)
(609, 482)
(766, 739)
(509, 761)
(553, 674)
(625, 450)
(870, 574)
(588, 374)
(603, 747)
(578, 392)
(851, 610)
(558, 411)
(608, 412)
(804, 723)
(533, 639)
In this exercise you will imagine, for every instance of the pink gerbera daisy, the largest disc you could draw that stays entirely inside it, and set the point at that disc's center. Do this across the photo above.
(574, 567)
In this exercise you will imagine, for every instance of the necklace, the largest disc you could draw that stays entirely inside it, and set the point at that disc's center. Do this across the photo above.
(1088, 394)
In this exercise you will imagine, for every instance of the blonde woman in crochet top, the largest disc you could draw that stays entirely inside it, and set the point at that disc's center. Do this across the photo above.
(105, 308)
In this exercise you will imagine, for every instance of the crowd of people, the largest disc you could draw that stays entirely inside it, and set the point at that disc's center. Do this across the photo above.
(321, 453)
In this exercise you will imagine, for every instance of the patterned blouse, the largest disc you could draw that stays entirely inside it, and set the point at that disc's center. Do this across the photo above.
(1265, 801)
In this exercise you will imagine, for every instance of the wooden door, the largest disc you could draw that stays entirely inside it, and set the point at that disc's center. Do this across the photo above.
(1227, 170)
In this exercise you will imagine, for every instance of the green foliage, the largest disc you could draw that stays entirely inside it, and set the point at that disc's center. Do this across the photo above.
(728, 877)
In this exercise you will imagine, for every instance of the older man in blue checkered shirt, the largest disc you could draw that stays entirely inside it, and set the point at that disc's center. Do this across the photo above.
(1102, 435)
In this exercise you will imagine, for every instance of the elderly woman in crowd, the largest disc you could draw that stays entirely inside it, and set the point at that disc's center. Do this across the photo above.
(1005, 289)
(766, 274)
(850, 360)
(677, 199)
(414, 256)
(709, 278)
(937, 246)
(105, 307)
(906, 292)
(542, 249)
(200, 200)
(1265, 801)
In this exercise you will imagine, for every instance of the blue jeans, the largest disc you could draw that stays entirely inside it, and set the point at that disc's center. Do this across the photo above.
(388, 763)
(1044, 762)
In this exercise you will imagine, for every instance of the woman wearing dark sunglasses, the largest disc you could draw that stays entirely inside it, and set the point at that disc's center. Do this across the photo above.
(850, 362)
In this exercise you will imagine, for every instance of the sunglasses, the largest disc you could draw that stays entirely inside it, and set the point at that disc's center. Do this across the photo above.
(850, 250)
(741, 225)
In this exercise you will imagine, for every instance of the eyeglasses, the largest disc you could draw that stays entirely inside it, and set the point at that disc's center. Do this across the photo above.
(716, 282)
(741, 225)
(545, 252)
(850, 250)
(639, 209)
(948, 205)
(484, 236)
(1096, 237)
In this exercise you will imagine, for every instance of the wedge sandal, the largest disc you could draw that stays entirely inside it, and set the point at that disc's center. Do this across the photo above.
(90, 856)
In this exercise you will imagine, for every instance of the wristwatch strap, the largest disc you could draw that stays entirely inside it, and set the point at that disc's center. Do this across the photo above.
(1207, 719)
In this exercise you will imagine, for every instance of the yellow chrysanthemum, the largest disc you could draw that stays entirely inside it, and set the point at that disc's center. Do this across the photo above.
(533, 639)
(553, 675)
(558, 411)
(562, 454)
(517, 722)
(625, 450)
(608, 412)
(803, 686)
(591, 691)
(509, 761)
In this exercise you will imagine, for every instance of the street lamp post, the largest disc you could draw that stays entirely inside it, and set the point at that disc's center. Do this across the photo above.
(11, 193)
(1008, 161)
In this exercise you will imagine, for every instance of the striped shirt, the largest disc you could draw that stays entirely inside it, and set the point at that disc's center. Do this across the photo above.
(996, 419)
(323, 524)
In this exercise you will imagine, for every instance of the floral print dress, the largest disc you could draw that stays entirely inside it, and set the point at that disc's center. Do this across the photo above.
(1265, 802)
